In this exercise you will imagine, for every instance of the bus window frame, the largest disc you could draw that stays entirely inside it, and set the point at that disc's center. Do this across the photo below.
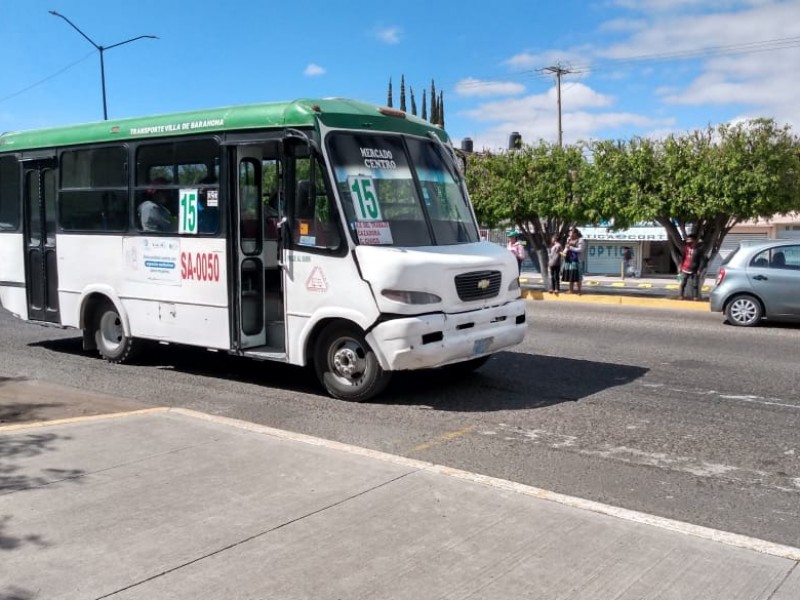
(319, 166)
(19, 196)
(219, 185)
(59, 188)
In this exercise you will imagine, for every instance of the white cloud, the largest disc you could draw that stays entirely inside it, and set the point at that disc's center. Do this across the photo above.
(525, 60)
(577, 95)
(682, 5)
(672, 34)
(543, 125)
(566, 58)
(476, 87)
(314, 70)
(389, 35)
(732, 63)
(536, 117)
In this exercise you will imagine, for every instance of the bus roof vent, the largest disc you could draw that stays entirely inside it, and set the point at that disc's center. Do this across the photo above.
(392, 112)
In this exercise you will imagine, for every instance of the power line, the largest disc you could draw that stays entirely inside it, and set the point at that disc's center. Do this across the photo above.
(48, 78)
(708, 51)
(704, 52)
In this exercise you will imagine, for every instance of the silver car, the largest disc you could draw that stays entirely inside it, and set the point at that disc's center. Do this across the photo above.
(759, 280)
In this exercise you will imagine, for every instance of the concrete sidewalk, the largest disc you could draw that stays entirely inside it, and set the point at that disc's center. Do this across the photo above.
(160, 504)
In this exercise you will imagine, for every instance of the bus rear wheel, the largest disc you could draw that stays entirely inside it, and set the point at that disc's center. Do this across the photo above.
(346, 365)
(109, 335)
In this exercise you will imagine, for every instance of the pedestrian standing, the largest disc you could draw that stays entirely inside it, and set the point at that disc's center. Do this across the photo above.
(554, 264)
(691, 263)
(572, 271)
(627, 261)
(516, 248)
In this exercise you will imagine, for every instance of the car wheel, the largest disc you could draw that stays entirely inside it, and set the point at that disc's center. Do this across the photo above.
(346, 366)
(109, 335)
(744, 311)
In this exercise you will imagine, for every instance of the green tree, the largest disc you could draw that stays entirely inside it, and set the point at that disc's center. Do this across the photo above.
(403, 93)
(539, 190)
(413, 102)
(434, 110)
(389, 94)
(705, 181)
(424, 113)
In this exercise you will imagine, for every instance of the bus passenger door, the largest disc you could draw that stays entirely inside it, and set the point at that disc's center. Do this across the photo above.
(250, 248)
(40, 240)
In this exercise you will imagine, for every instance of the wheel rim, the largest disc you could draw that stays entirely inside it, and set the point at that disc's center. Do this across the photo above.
(744, 311)
(347, 361)
(111, 331)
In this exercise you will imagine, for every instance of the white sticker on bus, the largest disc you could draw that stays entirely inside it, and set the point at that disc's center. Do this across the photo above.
(373, 233)
(153, 260)
(317, 282)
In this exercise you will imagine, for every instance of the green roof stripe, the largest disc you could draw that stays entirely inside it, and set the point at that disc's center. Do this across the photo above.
(298, 113)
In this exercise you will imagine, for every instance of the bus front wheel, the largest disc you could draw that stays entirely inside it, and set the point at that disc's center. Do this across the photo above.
(346, 366)
(109, 335)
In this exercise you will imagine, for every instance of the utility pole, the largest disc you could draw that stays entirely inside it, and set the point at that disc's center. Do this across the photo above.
(558, 70)
(102, 49)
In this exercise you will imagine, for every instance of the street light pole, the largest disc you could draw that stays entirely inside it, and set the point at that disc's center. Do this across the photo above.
(101, 49)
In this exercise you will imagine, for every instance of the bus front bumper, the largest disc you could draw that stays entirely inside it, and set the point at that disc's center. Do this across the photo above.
(440, 339)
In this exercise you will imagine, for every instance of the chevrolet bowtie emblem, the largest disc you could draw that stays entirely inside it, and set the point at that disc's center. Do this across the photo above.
(483, 284)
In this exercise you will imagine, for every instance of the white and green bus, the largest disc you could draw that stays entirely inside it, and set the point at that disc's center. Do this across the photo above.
(328, 232)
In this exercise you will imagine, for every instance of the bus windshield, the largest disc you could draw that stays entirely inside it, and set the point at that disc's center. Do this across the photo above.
(399, 191)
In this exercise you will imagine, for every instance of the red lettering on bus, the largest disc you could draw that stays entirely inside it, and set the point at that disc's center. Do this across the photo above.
(202, 266)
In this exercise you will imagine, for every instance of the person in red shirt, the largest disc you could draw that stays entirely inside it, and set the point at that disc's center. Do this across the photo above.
(690, 266)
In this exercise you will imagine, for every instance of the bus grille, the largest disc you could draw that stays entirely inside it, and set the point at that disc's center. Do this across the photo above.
(478, 285)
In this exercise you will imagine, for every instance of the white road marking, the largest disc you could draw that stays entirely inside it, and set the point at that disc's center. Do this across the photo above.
(737, 397)
(667, 462)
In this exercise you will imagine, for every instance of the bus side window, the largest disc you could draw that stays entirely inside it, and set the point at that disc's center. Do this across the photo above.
(315, 222)
(94, 189)
(9, 194)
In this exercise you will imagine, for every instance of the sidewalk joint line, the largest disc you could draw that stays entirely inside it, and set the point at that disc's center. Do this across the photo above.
(258, 535)
(784, 580)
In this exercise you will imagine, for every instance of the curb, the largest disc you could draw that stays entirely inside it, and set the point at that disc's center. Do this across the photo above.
(672, 303)
(618, 285)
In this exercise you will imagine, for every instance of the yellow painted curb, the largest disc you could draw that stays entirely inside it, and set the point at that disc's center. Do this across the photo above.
(71, 420)
(628, 300)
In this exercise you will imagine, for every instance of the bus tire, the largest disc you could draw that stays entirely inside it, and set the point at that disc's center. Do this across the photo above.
(109, 335)
(346, 366)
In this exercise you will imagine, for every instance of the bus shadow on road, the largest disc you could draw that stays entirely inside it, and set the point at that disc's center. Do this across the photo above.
(201, 362)
(510, 381)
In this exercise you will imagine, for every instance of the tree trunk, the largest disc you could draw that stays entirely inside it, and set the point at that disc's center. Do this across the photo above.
(542, 256)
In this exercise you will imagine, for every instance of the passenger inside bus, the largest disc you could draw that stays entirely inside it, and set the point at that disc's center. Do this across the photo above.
(153, 213)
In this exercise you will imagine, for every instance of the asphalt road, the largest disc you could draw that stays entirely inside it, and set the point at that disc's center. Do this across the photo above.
(661, 411)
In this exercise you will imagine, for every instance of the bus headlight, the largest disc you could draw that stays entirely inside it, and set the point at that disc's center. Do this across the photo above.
(514, 285)
(408, 297)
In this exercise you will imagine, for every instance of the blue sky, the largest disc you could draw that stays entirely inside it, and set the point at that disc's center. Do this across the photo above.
(639, 67)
